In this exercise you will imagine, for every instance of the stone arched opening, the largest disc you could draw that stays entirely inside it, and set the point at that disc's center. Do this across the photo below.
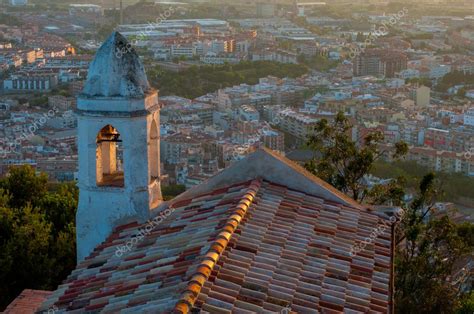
(109, 159)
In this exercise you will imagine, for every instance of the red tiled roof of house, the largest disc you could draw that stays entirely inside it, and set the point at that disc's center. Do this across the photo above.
(249, 247)
(292, 251)
(27, 302)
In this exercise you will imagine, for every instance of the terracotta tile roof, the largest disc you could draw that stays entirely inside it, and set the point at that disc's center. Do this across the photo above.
(292, 251)
(251, 247)
(156, 270)
(27, 302)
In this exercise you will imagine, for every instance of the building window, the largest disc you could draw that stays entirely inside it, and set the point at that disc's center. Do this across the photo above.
(109, 158)
(154, 152)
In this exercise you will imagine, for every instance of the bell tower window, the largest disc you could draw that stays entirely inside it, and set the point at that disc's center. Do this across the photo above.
(154, 152)
(109, 159)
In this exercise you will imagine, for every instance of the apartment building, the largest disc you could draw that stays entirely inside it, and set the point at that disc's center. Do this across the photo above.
(177, 146)
(378, 62)
(273, 139)
(58, 169)
(296, 124)
(422, 96)
(62, 102)
(469, 117)
(187, 51)
(438, 139)
(442, 161)
(31, 81)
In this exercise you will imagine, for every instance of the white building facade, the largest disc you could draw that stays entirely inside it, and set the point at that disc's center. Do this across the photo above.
(469, 117)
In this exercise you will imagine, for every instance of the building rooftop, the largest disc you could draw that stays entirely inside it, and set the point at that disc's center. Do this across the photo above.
(27, 302)
(263, 235)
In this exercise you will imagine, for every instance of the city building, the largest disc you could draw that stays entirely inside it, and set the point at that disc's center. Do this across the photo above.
(31, 82)
(215, 59)
(248, 113)
(58, 169)
(422, 96)
(62, 102)
(265, 9)
(443, 161)
(89, 11)
(18, 2)
(187, 51)
(437, 71)
(378, 62)
(176, 147)
(283, 56)
(409, 74)
(296, 124)
(438, 139)
(66, 121)
(469, 117)
(273, 140)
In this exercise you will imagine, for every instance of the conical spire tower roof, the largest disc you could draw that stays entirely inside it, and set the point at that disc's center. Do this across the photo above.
(116, 71)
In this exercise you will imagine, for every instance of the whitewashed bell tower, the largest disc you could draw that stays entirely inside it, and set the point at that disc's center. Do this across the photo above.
(119, 145)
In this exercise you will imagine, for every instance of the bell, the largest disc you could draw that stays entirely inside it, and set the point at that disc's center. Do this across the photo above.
(109, 134)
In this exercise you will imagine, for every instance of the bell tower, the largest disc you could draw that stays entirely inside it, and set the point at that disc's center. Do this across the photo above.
(118, 143)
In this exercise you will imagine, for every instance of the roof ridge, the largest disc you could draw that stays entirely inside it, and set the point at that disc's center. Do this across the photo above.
(295, 166)
(205, 267)
(276, 168)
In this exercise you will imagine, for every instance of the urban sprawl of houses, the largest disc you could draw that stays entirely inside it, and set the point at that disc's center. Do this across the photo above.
(379, 85)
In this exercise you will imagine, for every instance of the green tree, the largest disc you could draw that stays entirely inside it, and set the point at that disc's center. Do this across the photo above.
(9, 19)
(24, 186)
(421, 81)
(60, 207)
(461, 92)
(428, 246)
(427, 251)
(456, 187)
(37, 233)
(318, 62)
(171, 191)
(467, 304)
(455, 78)
(24, 252)
(342, 162)
(196, 81)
